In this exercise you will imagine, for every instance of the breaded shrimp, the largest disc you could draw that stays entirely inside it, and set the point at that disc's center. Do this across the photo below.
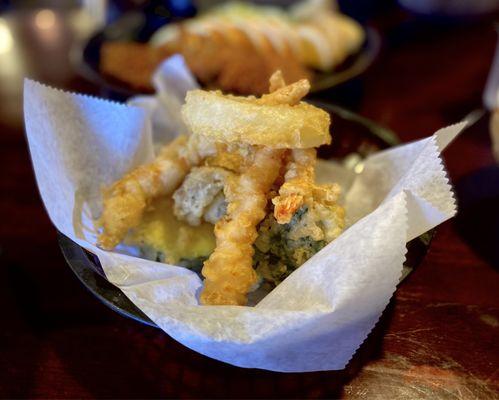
(229, 272)
(127, 199)
(299, 186)
(276, 81)
(290, 94)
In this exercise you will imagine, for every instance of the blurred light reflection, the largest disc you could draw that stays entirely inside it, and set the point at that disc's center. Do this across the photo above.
(6, 41)
(48, 26)
(12, 72)
(45, 19)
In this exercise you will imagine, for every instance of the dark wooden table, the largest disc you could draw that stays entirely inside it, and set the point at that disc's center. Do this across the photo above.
(437, 339)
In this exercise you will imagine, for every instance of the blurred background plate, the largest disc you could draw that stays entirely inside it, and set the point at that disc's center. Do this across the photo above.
(135, 26)
(355, 137)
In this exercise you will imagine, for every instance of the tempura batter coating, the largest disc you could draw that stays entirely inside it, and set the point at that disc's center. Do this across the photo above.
(223, 58)
(229, 273)
(290, 94)
(132, 63)
(300, 188)
(235, 157)
(221, 153)
(276, 81)
(298, 185)
(126, 200)
(275, 120)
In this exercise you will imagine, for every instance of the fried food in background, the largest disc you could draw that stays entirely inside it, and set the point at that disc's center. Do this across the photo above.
(228, 62)
(132, 63)
(237, 47)
(319, 36)
(237, 209)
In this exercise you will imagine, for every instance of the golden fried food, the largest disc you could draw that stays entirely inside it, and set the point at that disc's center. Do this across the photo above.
(282, 248)
(231, 62)
(248, 168)
(328, 39)
(205, 56)
(228, 61)
(248, 73)
(132, 63)
(236, 47)
(235, 158)
(161, 236)
(300, 188)
(127, 199)
(231, 119)
(276, 81)
(298, 185)
(319, 37)
(290, 94)
(229, 272)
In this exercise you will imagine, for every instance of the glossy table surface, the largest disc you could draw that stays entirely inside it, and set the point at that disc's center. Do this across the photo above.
(437, 339)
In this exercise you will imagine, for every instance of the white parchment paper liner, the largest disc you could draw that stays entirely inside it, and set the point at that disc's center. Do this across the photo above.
(314, 320)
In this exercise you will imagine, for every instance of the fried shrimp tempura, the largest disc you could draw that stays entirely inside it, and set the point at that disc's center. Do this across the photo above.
(229, 272)
(127, 199)
(299, 186)
(290, 94)
(244, 154)
(276, 81)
